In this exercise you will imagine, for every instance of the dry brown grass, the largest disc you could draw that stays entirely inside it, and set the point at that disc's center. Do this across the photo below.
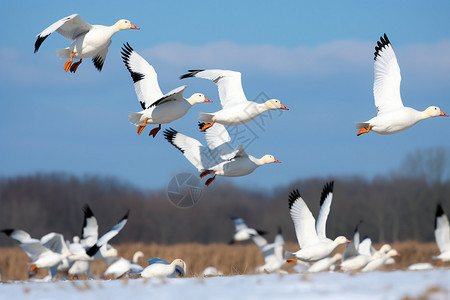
(230, 259)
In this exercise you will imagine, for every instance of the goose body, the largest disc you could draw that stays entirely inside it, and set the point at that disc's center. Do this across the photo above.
(87, 40)
(158, 108)
(392, 116)
(236, 109)
(243, 232)
(442, 235)
(219, 158)
(160, 268)
(313, 247)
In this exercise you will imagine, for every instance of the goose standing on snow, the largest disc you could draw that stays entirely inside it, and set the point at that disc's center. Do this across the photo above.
(219, 158)
(392, 116)
(157, 107)
(236, 109)
(312, 247)
(243, 232)
(87, 40)
(158, 267)
(442, 235)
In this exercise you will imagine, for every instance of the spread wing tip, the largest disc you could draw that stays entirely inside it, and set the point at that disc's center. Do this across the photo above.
(381, 44)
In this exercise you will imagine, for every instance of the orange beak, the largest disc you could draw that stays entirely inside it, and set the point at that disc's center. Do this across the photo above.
(133, 27)
(207, 100)
(276, 160)
(443, 114)
(348, 241)
(284, 107)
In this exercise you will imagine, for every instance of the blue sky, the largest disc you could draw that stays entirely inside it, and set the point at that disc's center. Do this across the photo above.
(315, 56)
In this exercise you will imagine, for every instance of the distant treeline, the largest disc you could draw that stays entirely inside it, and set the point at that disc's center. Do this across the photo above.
(392, 208)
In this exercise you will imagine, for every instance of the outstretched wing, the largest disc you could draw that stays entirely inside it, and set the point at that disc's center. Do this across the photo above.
(325, 204)
(228, 82)
(69, 27)
(303, 219)
(386, 86)
(442, 230)
(144, 77)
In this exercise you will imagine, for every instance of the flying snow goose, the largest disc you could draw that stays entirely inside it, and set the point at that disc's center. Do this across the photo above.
(312, 248)
(272, 253)
(219, 158)
(157, 107)
(442, 235)
(87, 40)
(158, 267)
(392, 116)
(236, 109)
(243, 232)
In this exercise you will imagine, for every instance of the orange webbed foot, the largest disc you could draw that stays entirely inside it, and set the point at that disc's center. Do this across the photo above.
(208, 182)
(74, 66)
(154, 131)
(204, 173)
(69, 62)
(207, 125)
(142, 126)
(364, 130)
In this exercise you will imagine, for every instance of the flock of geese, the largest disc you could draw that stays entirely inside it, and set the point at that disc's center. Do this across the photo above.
(219, 157)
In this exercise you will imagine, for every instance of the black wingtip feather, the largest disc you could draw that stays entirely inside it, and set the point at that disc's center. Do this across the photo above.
(327, 189)
(8, 232)
(191, 73)
(39, 42)
(98, 62)
(384, 41)
(126, 52)
(295, 194)
(357, 226)
(439, 213)
(169, 135)
(261, 232)
(279, 230)
(91, 251)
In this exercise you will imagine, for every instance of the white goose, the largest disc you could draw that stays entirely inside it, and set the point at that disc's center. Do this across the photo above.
(87, 40)
(272, 253)
(158, 267)
(392, 116)
(236, 109)
(324, 264)
(379, 259)
(442, 235)
(219, 158)
(123, 266)
(243, 232)
(157, 107)
(312, 247)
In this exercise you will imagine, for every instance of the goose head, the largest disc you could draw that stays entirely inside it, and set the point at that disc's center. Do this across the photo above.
(268, 159)
(385, 248)
(392, 253)
(341, 240)
(197, 98)
(275, 104)
(124, 25)
(434, 111)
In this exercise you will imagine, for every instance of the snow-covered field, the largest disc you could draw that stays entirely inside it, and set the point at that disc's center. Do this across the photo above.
(431, 284)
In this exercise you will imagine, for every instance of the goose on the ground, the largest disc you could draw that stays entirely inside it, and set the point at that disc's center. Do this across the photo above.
(442, 235)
